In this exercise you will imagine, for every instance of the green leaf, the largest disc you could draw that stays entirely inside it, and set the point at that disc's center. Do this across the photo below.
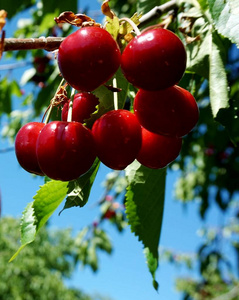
(225, 15)
(5, 96)
(144, 6)
(145, 204)
(218, 86)
(47, 199)
(36, 214)
(106, 97)
(229, 117)
(101, 240)
(79, 190)
(49, 6)
(152, 263)
(13, 9)
(112, 26)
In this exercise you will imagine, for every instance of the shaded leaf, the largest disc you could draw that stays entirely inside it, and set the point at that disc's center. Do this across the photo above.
(106, 97)
(49, 6)
(79, 190)
(144, 6)
(145, 204)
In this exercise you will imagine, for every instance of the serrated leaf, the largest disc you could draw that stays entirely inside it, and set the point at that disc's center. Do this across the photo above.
(218, 86)
(225, 15)
(145, 204)
(36, 214)
(79, 190)
(152, 263)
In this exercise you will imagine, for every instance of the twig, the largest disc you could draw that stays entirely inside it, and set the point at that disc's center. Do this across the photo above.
(46, 43)
(157, 12)
(53, 43)
(4, 150)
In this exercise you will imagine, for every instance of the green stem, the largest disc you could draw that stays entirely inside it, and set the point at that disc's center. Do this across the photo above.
(115, 95)
(69, 115)
(50, 107)
(132, 24)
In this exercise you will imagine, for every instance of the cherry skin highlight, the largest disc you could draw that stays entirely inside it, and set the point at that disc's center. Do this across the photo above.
(84, 104)
(65, 150)
(25, 147)
(157, 151)
(117, 135)
(172, 111)
(154, 60)
(88, 58)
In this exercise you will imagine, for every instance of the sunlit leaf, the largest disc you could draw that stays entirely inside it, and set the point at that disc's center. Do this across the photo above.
(225, 15)
(37, 213)
(218, 85)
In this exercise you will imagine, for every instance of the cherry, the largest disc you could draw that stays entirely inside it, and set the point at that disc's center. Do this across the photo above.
(154, 60)
(172, 111)
(84, 105)
(117, 135)
(65, 150)
(88, 58)
(157, 151)
(25, 147)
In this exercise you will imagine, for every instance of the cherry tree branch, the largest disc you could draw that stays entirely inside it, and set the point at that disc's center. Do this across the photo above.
(53, 43)
(157, 12)
(46, 43)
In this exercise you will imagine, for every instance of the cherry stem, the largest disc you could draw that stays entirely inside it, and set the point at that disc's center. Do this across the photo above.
(50, 107)
(115, 94)
(133, 25)
(70, 108)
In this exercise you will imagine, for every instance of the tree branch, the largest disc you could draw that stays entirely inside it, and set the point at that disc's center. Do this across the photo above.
(49, 43)
(157, 12)
(53, 43)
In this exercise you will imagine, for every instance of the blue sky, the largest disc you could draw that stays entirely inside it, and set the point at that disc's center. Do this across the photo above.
(124, 274)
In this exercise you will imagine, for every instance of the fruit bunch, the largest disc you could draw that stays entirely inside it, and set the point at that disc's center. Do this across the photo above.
(154, 62)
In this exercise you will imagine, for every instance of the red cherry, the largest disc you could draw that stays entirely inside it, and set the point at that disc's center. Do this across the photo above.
(88, 58)
(25, 147)
(109, 214)
(65, 150)
(154, 60)
(117, 135)
(83, 106)
(157, 151)
(172, 111)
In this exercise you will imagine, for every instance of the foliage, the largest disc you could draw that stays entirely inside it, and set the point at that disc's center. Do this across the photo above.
(38, 272)
(209, 160)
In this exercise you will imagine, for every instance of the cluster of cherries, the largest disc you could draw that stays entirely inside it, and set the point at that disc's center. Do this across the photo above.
(154, 61)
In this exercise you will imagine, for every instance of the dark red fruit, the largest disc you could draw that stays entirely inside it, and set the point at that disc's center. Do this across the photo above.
(154, 60)
(84, 105)
(157, 151)
(65, 150)
(117, 135)
(88, 58)
(25, 147)
(172, 111)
